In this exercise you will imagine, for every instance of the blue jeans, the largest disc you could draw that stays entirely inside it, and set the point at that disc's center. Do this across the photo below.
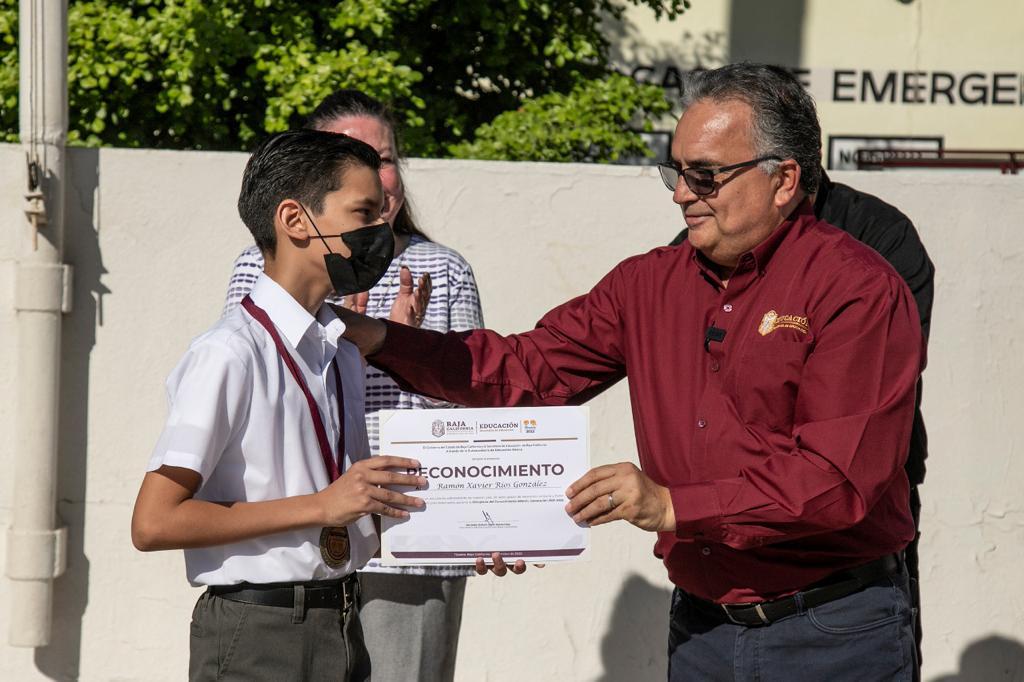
(865, 636)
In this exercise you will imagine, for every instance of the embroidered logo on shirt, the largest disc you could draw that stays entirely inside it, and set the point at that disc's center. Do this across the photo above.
(772, 321)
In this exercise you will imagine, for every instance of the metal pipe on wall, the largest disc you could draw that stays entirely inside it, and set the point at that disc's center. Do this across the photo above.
(35, 545)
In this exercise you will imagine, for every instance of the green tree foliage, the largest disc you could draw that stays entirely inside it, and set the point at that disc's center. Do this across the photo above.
(214, 74)
(591, 123)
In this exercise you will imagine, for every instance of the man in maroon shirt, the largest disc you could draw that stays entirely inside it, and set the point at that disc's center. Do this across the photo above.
(772, 363)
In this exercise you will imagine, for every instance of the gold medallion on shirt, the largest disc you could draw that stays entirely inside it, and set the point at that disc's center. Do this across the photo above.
(334, 546)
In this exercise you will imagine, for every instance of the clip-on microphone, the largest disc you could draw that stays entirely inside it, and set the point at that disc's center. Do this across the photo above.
(713, 334)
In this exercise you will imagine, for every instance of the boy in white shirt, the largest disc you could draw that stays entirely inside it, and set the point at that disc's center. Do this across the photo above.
(262, 473)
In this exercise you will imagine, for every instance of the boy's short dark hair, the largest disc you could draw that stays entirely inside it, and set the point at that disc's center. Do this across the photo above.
(304, 165)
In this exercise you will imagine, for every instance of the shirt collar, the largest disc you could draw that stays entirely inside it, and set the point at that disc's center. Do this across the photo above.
(758, 257)
(331, 323)
(290, 318)
(824, 189)
(763, 252)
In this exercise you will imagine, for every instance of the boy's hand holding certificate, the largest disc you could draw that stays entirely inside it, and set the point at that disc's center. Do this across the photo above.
(496, 481)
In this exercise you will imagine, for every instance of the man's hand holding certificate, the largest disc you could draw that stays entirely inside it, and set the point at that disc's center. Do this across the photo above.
(496, 481)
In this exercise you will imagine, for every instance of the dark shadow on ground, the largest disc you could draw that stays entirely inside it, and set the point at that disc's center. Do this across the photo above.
(61, 659)
(992, 659)
(635, 647)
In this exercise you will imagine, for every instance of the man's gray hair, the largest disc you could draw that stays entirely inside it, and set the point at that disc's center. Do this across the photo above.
(785, 118)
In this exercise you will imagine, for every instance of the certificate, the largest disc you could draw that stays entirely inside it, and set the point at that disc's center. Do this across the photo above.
(496, 481)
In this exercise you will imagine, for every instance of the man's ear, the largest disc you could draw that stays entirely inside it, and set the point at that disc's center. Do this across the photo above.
(292, 220)
(788, 175)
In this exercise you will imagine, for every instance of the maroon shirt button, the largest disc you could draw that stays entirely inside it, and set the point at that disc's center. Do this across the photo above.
(715, 366)
(706, 551)
(727, 307)
(701, 423)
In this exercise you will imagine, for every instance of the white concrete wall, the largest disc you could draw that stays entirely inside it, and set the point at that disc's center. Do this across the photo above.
(152, 237)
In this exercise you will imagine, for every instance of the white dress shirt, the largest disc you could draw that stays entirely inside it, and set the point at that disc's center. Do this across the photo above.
(454, 305)
(239, 419)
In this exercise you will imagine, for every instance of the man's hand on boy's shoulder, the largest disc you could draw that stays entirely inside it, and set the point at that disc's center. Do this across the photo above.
(359, 491)
(365, 332)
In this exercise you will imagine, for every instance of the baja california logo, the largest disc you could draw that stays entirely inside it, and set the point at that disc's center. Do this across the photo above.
(437, 428)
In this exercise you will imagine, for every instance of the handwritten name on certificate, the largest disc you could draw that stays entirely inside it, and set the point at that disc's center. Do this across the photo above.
(496, 481)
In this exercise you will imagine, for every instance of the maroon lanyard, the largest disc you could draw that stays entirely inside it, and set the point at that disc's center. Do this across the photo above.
(330, 463)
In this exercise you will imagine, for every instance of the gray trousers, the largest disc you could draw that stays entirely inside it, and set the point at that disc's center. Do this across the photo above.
(235, 641)
(411, 624)
(868, 635)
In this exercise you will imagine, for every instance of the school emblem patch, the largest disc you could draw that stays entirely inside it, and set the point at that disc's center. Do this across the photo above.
(772, 321)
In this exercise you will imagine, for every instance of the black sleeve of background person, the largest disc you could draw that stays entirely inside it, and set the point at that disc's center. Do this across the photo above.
(680, 238)
(889, 232)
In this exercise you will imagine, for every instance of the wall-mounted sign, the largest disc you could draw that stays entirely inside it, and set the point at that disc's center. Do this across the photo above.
(842, 148)
(996, 88)
(877, 86)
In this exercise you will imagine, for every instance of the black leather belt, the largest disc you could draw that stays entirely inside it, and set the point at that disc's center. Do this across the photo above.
(321, 594)
(835, 586)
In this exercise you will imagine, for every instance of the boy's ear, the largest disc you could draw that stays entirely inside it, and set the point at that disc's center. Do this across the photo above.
(291, 219)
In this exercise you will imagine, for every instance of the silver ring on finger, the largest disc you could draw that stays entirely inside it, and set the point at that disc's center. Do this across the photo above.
(611, 501)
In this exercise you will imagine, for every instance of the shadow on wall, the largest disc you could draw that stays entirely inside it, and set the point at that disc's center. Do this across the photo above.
(993, 659)
(758, 31)
(635, 647)
(663, 63)
(769, 32)
(60, 660)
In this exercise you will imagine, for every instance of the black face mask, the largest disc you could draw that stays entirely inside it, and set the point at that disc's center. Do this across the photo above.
(372, 250)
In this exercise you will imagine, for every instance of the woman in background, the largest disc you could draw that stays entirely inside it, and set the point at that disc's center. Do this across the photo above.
(410, 616)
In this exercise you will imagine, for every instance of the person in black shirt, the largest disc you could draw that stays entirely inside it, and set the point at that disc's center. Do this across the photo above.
(888, 231)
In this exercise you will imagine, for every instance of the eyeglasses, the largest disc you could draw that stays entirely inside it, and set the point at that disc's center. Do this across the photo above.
(701, 181)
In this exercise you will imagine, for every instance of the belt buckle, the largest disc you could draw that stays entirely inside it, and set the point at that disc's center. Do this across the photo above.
(349, 590)
(757, 609)
(728, 614)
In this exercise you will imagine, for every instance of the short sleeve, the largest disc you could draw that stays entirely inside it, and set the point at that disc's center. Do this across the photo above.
(208, 397)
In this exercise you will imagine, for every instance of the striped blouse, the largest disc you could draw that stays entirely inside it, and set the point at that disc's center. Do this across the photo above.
(454, 306)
